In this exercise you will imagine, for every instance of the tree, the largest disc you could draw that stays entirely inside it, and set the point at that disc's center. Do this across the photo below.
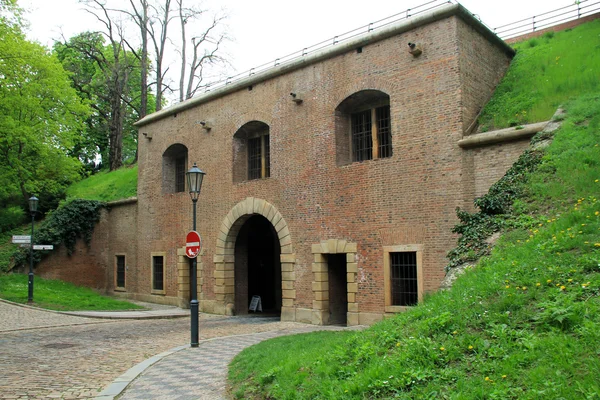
(205, 50)
(41, 117)
(90, 61)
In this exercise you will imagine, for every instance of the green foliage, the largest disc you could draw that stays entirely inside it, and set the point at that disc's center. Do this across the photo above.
(523, 324)
(58, 295)
(545, 73)
(40, 119)
(11, 217)
(106, 186)
(73, 220)
(494, 207)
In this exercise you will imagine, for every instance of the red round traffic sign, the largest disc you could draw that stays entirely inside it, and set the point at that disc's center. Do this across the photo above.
(193, 244)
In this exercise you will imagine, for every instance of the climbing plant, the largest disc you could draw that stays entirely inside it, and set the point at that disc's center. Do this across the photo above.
(494, 208)
(71, 221)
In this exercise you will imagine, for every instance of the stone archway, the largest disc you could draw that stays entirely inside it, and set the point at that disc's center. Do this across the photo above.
(224, 257)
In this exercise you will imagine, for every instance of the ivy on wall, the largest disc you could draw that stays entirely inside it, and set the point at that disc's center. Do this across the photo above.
(71, 221)
(495, 207)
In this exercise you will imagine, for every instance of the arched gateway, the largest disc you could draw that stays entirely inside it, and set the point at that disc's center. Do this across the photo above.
(243, 268)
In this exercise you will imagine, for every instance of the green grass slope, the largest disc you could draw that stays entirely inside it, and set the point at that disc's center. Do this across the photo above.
(545, 73)
(523, 324)
(106, 186)
(58, 295)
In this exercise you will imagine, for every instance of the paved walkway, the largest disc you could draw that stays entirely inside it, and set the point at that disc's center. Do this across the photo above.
(47, 354)
(191, 373)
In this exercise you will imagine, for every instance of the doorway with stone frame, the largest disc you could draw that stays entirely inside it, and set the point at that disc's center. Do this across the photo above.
(328, 284)
(229, 289)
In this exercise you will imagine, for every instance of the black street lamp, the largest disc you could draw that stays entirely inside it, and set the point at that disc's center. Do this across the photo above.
(194, 180)
(33, 204)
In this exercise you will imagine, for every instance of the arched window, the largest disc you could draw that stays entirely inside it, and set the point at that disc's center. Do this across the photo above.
(363, 127)
(251, 152)
(174, 165)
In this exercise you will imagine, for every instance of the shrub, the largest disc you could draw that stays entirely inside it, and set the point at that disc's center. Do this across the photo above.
(11, 217)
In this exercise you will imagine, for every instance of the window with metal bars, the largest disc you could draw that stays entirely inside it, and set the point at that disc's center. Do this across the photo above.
(254, 158)
(403, 278)
(120, 271)
(362, 140)
(158, 272)
(384, 131)
(371, 127)
(180, 174)
(259, 157)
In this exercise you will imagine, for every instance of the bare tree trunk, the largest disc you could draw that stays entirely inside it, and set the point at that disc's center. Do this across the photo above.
(183, 21)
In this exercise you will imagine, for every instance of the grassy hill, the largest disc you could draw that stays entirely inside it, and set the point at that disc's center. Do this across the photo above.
(525, 322)
(106, 186)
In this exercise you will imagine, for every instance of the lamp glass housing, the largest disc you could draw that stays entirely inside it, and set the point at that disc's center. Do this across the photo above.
(194, 179)
(33, 204)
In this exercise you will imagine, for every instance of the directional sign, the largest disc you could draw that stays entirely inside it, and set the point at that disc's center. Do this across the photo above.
(193, 244)
(43, 247)
(21, 239)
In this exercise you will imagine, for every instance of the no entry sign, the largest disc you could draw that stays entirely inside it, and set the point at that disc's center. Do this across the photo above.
(193, 244)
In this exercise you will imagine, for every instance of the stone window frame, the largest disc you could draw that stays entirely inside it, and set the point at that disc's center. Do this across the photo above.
(320, 283)
(120, 288)
(416, 248)
(162, 254)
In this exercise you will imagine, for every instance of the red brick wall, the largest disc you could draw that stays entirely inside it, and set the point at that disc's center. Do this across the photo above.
(93, 266)
(418, 188)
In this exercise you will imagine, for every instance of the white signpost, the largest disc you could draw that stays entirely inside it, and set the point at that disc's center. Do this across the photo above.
(43, 247)
(21, 239)
(25, 241)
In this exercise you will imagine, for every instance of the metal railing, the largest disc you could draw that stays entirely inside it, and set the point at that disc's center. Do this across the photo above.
(571, 12)
(411, 12)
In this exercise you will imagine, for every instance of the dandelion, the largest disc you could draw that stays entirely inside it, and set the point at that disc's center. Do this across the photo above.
(398, 344)
(538, 284)
(455, 332)
(503, 376)
(470, 347)
(597, 213)
(597, 244)
(569, 280)
(549, 280)
(442, 348)
(507, 286)
(524, 287)
(562, 288)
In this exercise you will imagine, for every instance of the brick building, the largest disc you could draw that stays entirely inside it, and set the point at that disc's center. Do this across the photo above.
(331, 181)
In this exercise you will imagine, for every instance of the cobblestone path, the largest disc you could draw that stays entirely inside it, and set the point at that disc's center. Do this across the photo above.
(67, 357)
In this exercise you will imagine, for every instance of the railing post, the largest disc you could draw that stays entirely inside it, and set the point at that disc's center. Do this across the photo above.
(533, 23)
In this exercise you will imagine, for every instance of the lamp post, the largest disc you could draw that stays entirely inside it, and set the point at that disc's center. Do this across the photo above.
(33, 204)
(194, 180)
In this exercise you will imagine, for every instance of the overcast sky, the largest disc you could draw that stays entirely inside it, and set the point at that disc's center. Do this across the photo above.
(264, 30)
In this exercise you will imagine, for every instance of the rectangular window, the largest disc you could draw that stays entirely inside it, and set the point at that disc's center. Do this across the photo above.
(384, 131)
(362, 140)
(180, 174)
(158, 273)
(254, 158)
(403, 276)
(120, 271)
(403, 279)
